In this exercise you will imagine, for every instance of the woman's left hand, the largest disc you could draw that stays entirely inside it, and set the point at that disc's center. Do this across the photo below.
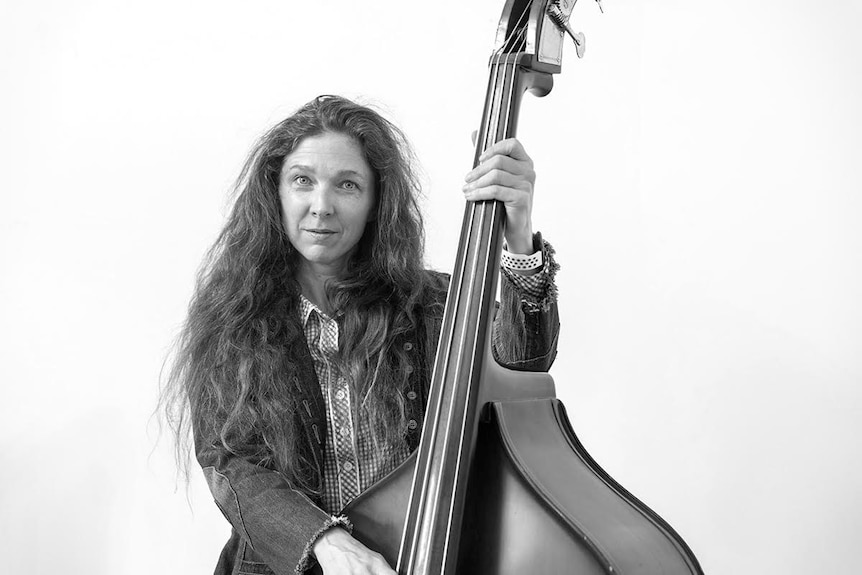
(505, 173)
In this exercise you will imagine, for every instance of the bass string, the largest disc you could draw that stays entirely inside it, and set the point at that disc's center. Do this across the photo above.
(480, 260)
(503, 99)
(497, 102)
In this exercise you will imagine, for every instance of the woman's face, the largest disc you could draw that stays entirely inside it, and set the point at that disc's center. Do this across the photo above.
(327, 196)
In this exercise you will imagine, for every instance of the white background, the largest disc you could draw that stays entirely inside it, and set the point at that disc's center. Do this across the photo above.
(699, 176)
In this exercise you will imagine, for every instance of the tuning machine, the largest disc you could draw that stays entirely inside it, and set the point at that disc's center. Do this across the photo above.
(561, 19)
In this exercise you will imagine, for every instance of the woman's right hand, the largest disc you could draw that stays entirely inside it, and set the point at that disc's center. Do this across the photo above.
(340, 554)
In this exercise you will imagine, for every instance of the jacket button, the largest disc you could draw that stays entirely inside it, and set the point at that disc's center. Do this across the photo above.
(411, 394)
(409, 369)
(408, 346)
(412, 424)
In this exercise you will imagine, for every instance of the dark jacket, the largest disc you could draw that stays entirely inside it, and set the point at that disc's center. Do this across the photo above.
(274, 523)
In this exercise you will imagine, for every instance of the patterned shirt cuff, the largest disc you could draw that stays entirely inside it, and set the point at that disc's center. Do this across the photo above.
(537, 291)
(307, 559)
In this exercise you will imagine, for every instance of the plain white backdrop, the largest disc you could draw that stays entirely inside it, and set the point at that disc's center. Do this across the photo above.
(698, 173)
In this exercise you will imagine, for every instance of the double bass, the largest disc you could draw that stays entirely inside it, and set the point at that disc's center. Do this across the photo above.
(500, 483)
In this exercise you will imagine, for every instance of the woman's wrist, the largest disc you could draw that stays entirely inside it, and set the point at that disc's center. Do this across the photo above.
(520, 242)
(325, 541)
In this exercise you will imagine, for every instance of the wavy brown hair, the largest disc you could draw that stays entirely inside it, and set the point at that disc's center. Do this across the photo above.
(230, 368)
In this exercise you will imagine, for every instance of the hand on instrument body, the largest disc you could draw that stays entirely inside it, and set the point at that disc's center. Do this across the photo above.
(340, 554)
(505, 173)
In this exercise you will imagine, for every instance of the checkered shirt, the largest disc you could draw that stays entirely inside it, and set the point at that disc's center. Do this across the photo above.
(350, 463)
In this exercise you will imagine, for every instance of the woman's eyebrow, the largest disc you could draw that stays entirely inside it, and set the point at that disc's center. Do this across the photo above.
(300, 167)
(340, 173)
(352, 173)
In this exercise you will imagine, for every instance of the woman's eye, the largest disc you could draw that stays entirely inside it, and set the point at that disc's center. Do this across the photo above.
(348, 185)
(302, 180)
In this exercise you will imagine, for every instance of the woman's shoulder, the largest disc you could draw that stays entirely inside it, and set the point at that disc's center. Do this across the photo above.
(435, 288)
(435, 279)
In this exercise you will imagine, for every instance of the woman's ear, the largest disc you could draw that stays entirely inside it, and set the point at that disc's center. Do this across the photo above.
(372, 213)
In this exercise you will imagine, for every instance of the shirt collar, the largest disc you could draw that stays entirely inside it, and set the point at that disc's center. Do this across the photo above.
(306, 308)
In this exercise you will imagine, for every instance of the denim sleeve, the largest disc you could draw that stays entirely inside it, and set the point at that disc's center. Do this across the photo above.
(527, 326)
(279, 523)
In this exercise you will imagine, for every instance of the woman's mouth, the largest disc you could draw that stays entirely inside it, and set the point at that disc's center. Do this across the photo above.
(319, 232)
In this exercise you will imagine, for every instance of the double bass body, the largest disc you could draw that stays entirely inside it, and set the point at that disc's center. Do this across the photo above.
(536, 501)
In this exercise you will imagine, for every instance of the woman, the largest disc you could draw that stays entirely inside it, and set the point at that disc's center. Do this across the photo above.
(303, 366)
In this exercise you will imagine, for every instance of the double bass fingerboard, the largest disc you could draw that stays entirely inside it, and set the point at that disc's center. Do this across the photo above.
(432, 530)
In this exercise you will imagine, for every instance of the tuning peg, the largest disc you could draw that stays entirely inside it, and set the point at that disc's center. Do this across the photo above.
(599, 2)
(580, 41)
(560, 20)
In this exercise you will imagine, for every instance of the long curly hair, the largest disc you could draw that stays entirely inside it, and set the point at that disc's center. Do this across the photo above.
(230, 371)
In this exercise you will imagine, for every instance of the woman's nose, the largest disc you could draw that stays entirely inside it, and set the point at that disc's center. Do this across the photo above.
(321, 201)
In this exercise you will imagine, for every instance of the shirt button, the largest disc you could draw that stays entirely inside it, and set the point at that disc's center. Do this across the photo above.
(412, 424)
(411, 394)
(339, 395)
(348, 466)
(409, 369)
(344, 432)
(408, 346)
